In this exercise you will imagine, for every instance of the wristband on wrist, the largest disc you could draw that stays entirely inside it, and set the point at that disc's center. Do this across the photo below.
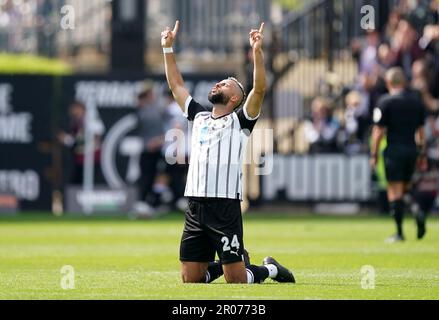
(168, 50)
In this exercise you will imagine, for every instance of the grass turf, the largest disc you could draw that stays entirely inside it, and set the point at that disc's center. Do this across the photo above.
(123, 259)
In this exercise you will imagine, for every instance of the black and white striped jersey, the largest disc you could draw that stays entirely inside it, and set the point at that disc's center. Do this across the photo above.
(217, 151)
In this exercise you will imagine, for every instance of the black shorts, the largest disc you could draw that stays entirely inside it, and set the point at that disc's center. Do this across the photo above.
(400, 163)
(212, 226)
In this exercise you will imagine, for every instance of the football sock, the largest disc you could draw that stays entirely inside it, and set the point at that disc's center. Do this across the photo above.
(272, 270)
(214, 271)
(256, 274)
(397, 211)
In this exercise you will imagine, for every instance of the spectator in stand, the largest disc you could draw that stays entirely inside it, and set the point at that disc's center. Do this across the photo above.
(366, 54)
(322, 129)
(373, 60)
(356, 122)
(406, 47)
(392, 25)
(371, 87)
(420, 14)
(386, 58)
(369, 54)
(432, 136)
(424, 81)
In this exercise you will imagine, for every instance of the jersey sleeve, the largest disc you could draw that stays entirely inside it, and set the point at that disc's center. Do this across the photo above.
(246, 122)
(381, 113)
(192, 108)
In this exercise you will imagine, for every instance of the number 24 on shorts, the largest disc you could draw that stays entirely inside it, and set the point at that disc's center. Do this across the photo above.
(234, 243)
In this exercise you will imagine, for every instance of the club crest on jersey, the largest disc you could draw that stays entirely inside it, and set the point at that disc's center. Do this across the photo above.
(204, 133)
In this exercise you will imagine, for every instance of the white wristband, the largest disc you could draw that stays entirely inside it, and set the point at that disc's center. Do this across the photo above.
(168, 50)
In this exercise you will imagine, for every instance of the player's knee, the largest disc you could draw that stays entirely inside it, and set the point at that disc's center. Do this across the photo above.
(236, 278)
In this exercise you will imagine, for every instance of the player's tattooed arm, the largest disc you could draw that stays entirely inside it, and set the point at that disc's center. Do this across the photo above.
(254, 101)
(173, 75)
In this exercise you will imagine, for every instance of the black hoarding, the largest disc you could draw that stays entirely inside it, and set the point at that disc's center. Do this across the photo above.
(25, 135)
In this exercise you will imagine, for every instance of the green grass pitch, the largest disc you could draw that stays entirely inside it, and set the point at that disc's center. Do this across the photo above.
(124, 259)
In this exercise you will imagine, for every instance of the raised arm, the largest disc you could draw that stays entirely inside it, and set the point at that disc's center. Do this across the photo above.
(254, 101)
(173, 75)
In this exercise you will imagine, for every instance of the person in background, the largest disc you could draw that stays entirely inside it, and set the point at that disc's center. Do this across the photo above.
(424, 80)
(74, 138)
(321, 130)
(392, 24)
(151, 131)
(401, 117)
(386, 58)
(356, 123)
(405, 46)
(176, 150)
(369, 54)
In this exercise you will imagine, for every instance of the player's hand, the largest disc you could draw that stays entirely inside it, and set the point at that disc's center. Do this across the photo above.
(257, 37)
(168, 35)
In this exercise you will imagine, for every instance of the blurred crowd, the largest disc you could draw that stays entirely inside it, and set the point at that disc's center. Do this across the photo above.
(409, 40)
(28, 25)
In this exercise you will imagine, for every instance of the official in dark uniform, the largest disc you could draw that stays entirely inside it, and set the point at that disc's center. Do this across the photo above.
(400, 116)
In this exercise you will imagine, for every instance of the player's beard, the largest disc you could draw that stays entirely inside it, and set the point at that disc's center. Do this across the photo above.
(218, 98)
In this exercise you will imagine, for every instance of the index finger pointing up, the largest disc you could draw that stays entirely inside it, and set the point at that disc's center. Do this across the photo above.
(261, 29)
(177, 25)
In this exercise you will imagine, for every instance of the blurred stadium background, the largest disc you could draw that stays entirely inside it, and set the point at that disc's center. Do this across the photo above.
(322, 65)
(71, 75)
